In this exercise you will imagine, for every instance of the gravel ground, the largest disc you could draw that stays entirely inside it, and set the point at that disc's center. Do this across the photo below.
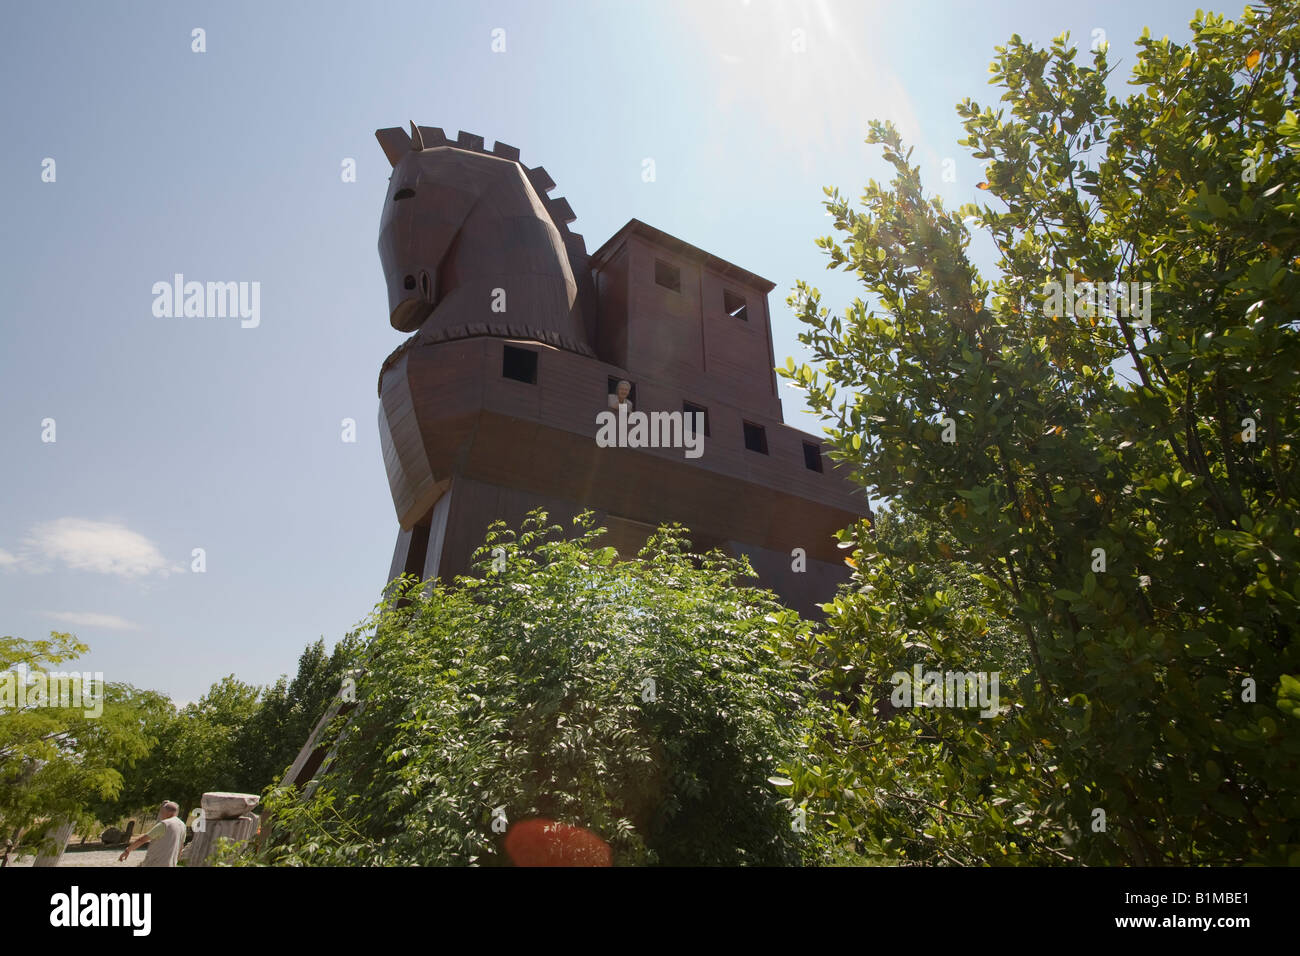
(92, 854)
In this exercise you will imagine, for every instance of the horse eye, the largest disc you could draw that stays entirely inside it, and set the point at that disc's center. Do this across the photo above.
(403, 194)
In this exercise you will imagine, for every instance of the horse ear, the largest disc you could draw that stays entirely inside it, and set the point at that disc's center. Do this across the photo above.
(417, 141)
(394, 142)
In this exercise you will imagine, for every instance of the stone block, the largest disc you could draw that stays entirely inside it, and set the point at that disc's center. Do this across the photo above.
(227, 806)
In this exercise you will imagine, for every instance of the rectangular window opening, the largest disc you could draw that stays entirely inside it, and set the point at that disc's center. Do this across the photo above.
(519, 364)
(812, 456)
(668, 276)
(756, 438)
(735, 305)
(691, 408)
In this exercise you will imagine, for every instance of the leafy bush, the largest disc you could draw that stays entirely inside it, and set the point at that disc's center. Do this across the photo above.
(646, 702)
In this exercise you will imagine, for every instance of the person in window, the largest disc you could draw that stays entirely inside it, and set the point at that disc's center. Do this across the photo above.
(621, 398)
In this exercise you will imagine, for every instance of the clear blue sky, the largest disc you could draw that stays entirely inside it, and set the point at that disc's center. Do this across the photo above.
(175, 434)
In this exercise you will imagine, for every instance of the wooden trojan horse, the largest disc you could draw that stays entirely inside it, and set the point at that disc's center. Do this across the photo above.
(520, 339)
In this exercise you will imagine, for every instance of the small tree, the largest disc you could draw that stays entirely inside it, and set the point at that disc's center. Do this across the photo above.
(61, 757)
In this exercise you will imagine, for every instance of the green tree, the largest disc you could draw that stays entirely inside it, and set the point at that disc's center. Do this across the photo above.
(155, 715)
(198, 750)
(268, 743)
(61, 755)
(646, 702)
(236, 737)
(1127, 490)
(923, 554)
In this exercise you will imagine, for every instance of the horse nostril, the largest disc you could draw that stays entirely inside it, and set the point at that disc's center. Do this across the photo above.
(424, 284)
(410, 282)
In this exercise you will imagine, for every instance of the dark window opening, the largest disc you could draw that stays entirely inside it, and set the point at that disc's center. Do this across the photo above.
(418, 551)
(735, 305)
(689, 408)
(756, 438)
(520, 365)
(668, 276)
(403, 194)
(812, 456)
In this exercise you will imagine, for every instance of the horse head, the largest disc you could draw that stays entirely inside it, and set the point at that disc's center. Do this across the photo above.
(470, 243)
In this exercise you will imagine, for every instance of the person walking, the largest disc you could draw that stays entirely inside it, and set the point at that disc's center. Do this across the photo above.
(165, 838)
